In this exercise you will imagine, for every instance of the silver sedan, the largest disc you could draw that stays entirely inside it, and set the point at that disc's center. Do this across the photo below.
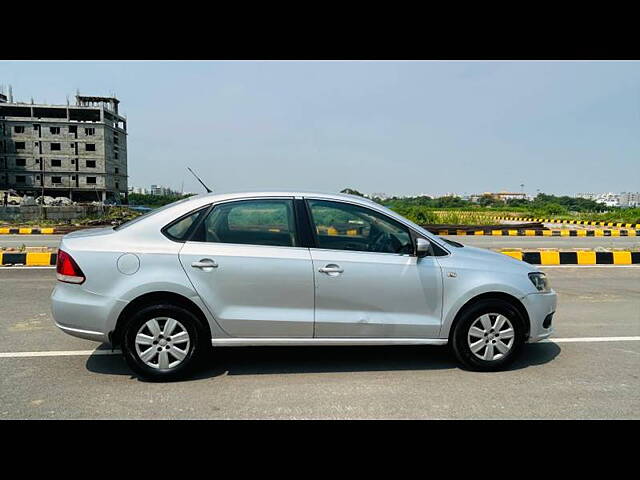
(291, 268)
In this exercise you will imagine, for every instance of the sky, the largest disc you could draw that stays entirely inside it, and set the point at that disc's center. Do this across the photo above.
(393, 127)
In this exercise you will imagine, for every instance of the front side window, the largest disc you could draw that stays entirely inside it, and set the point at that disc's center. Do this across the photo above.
(343, 226)
(250, 222)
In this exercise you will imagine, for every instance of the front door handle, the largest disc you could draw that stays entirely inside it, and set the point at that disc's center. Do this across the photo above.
(331, 269)
(205, 264)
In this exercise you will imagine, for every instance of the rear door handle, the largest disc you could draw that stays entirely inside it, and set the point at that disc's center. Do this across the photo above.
(205, 263)
(332, 269)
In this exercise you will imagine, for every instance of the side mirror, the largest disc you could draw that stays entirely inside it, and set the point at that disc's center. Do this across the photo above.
(423, 247)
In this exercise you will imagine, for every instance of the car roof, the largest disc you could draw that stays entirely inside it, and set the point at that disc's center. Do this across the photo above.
(168, 213)
(217, 197)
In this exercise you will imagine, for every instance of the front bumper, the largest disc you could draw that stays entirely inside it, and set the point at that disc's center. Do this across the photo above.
(539, 306)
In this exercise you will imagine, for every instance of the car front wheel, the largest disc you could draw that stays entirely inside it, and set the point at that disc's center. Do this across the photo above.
(489, 335)
(163, 342)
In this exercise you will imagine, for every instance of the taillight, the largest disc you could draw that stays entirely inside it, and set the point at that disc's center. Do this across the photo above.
(67, 270)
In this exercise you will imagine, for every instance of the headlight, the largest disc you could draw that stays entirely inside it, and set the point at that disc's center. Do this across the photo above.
(540, 281)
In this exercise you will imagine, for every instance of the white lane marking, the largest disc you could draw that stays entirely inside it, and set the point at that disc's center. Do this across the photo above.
(28, 267)
(63, 353)
(592, 339)
(70, 353)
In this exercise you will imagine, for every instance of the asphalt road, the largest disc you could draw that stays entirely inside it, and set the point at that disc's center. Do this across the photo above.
(484, 241)
(16, 241)
(563, 380)
(490, 241)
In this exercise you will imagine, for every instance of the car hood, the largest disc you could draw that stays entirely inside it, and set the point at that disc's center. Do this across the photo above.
(488, 257)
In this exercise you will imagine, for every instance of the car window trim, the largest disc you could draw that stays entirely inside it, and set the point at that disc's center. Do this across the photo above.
(304, 224)
(246, 199)
(410, 231)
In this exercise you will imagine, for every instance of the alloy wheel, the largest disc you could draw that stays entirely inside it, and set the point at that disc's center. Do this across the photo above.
(162, 343)
(491, 336)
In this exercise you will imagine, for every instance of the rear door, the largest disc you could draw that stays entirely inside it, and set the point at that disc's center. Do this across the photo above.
(246, 263)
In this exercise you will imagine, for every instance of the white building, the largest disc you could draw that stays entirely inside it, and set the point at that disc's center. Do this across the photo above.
(139, 190)
(608, 199)
(624, 199)
(629, 199)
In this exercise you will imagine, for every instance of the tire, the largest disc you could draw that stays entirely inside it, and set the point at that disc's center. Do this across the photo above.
(171, 357)
(498, 349)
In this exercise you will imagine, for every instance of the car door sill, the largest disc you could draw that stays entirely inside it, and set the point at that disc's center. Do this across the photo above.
(281, 342)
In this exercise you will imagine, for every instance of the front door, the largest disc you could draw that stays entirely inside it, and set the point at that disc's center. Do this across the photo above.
(368, 281)
(246, 264)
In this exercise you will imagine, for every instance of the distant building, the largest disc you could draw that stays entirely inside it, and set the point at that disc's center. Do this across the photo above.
(630, 200)
(139, 190)
(501, 196)
(162, 190)
(624, 199)
(587, 196)
(75, 151)
(608, 199)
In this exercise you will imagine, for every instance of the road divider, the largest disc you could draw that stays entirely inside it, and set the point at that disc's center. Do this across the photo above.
(536, 257)
(26, 231)
(570, 222)
(28, 258)
(544, 233)
(579, 257)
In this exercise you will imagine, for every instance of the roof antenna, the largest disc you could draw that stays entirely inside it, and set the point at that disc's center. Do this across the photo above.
(198, 178)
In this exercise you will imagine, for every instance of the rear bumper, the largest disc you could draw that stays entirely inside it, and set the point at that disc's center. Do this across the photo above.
(86, 334)
(84, 314)
(539, 306)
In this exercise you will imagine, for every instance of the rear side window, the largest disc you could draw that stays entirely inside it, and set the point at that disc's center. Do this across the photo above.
(181, 229)
(250, 222)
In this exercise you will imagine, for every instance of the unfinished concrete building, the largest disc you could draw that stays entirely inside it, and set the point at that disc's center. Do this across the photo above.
(79, 152)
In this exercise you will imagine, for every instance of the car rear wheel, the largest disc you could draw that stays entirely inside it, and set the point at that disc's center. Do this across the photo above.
(489, 335)
(163, 342)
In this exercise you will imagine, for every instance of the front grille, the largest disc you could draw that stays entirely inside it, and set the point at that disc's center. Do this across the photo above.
(547, 320)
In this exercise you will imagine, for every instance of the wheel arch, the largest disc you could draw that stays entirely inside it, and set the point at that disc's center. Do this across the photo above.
(154, 298)
(514, 301)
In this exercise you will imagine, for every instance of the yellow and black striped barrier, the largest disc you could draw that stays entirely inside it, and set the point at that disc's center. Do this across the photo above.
(571, 222)
(545, 257)
(588, 257)
(543, 233)
(31, 259)
(26, 231)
